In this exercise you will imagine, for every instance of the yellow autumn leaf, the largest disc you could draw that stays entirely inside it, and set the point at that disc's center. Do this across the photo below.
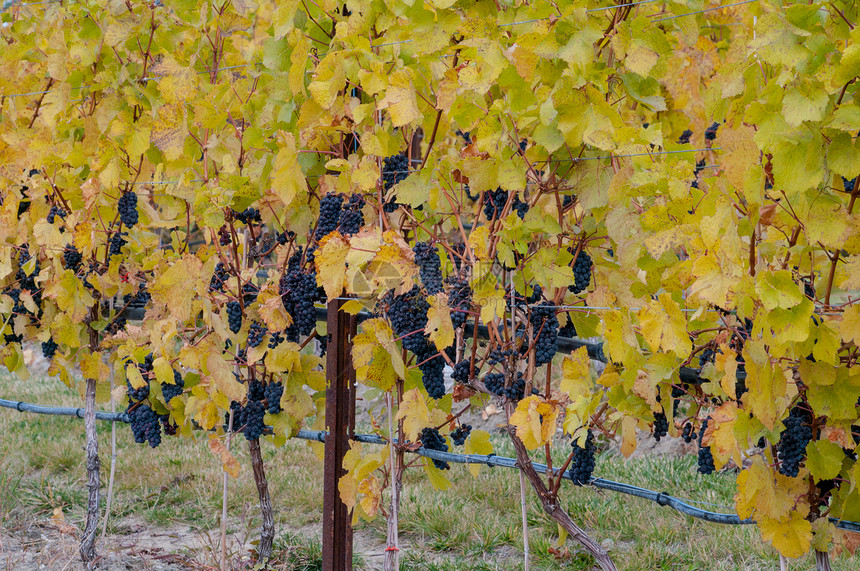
(371, 495)
(400, 99)
(791, 536)
(221, 376)
(375, 356)
(414, 413)
(329, 260)
(535, 421)
(176, 286)
(664, 327)
(288, 181)
(439, 327)
(576, 373)
(477, 443)
(228, 461)
(168, 132)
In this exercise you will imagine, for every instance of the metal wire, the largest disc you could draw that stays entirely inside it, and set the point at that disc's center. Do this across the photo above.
(577, 159)
(703, 11)
(660, 498)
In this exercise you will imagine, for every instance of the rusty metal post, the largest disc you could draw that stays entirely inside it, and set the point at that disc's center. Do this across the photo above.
(337, 524)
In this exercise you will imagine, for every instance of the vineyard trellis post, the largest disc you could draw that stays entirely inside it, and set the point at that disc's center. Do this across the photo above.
(339, 420)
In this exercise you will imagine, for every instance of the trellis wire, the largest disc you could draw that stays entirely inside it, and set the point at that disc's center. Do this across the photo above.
(705, 10)
(664, 499)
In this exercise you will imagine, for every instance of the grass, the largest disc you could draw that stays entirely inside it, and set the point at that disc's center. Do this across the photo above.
(474, 525)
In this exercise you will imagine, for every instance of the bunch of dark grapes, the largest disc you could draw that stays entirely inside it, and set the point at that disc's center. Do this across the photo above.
(238, 416)
(117, 241)
(351, 217)
(461, 371)
(219, 278)
(177, 388)
(241, 359)
(467, 136)
(432, 440)
(394, 170)
(145, 426)
(685, 137)
(117, 325)
(72, 258)
(568, 330)
(545, 325)
(248, 216)
(661, 425)
(494, 203)
(687, 433)
(429, 267)
(25, 280)
(848, 185)
(253, 414)
(224, 237)
(273, 394)
(298, 290)
(249, 293)
(581, 272)
(495, 383)
(582, 464)
(234, 316)
(255, 334)
(707, 356)
(256, 391)
(330, 211)
(408, 316)
(54, 212)
(127, 206)
(49, 348)
(459, 300)
(791, 448)
(711, 132)
(517, 390)
(432, 367)
(497, 356)
(460, 434)
(275, 339)
(323, 343)
(706, 459)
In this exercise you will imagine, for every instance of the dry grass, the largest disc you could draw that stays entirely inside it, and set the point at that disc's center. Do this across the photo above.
(167, 502)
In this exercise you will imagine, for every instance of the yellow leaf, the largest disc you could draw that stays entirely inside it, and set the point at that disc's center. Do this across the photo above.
(490, 298)
(168, 132)
(400, 99)
(288, 180)
(723, 443)
(134, 377)
(371, 495)
(176, 286)
(436, 476)
(228, 461)
(414, 413)
(790, 536)
(479, 242)
(621, 343)
(330, 265)
(221, 376)
(535, 421)
(477, 443)
(71, 295)
(849, 328)
(375, 356)
(576, 373)
(664, 327)
(439, 327)
(628, 435)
